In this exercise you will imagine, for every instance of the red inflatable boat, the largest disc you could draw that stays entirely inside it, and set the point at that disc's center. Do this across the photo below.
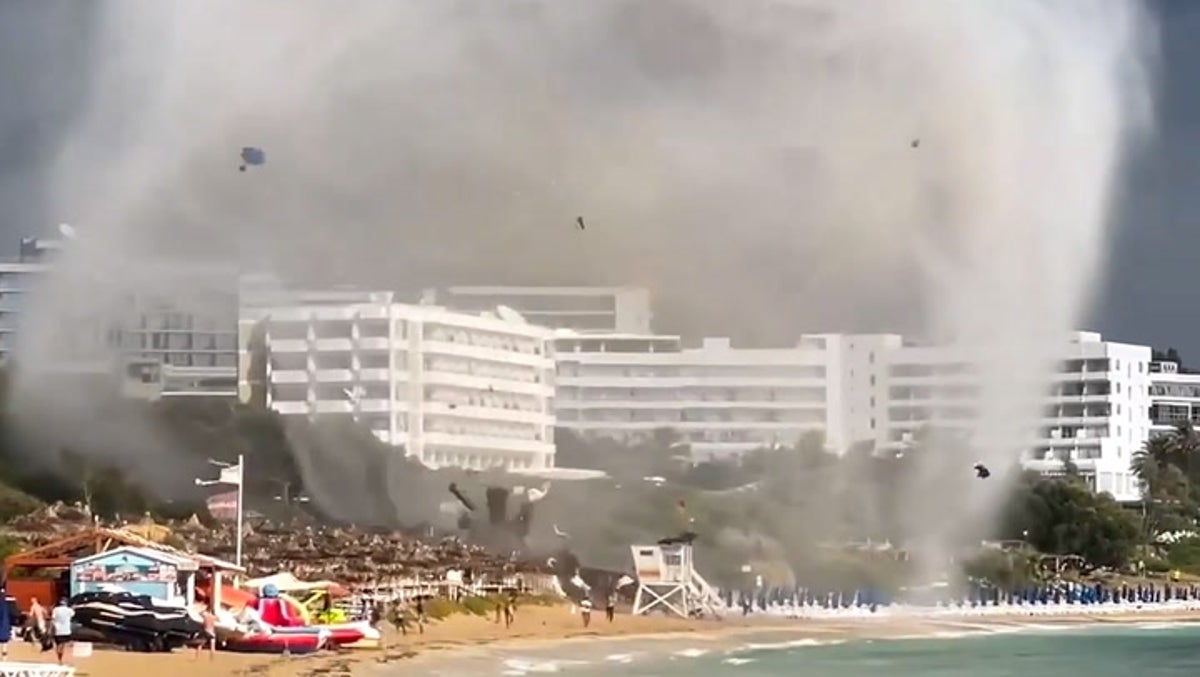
(343, 634)
(277, 643)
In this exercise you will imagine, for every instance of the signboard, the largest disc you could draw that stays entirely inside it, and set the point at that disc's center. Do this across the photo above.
(223, 506)
(126, 569)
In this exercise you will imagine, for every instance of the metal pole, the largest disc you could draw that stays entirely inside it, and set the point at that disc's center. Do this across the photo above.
(241, 481)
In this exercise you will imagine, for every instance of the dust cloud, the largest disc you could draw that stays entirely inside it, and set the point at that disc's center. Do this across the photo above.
(933, 167)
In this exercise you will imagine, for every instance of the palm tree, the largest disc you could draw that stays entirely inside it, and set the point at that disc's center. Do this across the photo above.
(1160, 467)
(1149, 462)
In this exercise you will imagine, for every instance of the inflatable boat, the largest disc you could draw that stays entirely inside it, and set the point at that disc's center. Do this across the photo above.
(277, 643)
(346, 635)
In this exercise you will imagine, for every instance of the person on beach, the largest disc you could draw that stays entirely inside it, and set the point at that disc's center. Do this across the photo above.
(420, 609)
(585, 611)
(37, 622)
(208, 638)
(61, 618)
(610, 607)
(6, 623)
(510, 605)
(398, 618)
(376, 614)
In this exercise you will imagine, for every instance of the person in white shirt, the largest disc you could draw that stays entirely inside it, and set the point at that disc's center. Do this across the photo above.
(61, 618)
(585, 610)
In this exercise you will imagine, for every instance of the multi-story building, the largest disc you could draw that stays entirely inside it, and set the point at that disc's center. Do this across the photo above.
(169, 329)
(719, 399)
(871, 389)
(450, 388)
(1174, 396)
(1094, 416)
(175, 327)
(16, 281)
(624, 310)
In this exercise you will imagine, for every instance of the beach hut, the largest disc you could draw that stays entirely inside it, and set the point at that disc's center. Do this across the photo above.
(141, 571)
(44, 572)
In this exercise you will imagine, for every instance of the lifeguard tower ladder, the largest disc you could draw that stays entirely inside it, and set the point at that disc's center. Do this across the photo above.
(667, 578)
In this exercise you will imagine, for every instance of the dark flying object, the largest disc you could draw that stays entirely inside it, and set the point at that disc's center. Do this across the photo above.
(252, 157)
(982, 472)
(916, 142)
(579, 223)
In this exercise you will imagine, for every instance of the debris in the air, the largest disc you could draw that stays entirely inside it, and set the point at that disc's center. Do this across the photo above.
(252, 157)
(982, 472)
(534, 494)
(66, 231)
(560, 533)
(579, 223)
(916, 143)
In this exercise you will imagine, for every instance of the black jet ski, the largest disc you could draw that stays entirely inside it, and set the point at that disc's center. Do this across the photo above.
(134, 621)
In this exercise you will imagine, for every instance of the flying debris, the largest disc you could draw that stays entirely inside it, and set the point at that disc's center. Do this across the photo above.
(534, 494)
(916, 143)
(66, 231)
(982, 472)
(560, 533)
(624, 581)
(252, 157)
(579, 223)
(685, 538)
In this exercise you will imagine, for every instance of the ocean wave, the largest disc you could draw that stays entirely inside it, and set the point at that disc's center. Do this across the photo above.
(1175, 625)
(524, 666)
(737, 661)
(790, 644)
(690, 653)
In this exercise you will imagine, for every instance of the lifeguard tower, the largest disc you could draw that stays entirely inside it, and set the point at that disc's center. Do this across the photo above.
(667, 578)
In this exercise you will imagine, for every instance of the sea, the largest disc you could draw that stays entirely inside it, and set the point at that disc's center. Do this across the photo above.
(1147, 650)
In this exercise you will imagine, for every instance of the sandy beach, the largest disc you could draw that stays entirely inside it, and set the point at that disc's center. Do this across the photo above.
(550, 627)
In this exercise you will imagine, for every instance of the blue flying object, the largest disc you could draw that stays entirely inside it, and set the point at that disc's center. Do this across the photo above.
(252, 157)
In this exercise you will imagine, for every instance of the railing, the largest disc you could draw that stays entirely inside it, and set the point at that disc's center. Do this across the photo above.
(8, 669)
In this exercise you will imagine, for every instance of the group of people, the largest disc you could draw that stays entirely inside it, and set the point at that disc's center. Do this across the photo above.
(51, 629)
(610, 609)
(400, 614)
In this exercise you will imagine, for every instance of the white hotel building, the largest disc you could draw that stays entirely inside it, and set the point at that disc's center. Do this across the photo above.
(1174, 396)
(719, 399)
(452, 389)
(1096, 414)
(851, 388)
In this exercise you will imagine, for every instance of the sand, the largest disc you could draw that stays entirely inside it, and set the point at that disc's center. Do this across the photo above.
(542, 627)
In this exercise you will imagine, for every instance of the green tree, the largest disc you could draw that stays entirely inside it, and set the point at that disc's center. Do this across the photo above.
(1062, 517)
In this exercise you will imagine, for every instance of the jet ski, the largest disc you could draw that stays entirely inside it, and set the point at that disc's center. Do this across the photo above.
(134, 621)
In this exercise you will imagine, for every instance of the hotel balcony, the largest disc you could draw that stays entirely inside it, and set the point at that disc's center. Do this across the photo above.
(485, 443)
(430, 347)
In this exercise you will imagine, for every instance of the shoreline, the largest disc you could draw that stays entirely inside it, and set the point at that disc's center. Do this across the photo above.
(478, 653)
(552, 638)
